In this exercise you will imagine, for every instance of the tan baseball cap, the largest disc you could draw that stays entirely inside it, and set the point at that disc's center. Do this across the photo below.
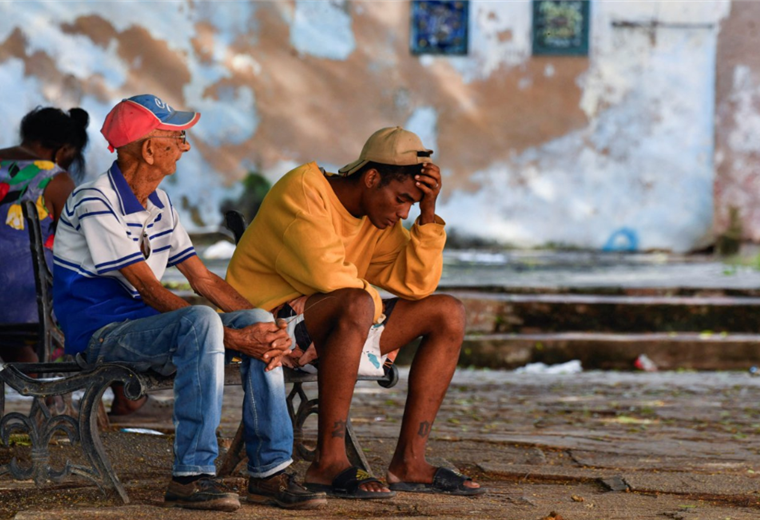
(392, 145)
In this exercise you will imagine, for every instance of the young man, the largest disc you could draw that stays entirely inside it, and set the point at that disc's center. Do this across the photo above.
(116, 237)
(313, 253)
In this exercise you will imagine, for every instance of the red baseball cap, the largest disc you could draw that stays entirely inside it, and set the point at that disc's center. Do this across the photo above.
(137, 116)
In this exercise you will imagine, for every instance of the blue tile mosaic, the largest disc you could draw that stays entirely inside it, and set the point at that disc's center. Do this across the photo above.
(439, 27)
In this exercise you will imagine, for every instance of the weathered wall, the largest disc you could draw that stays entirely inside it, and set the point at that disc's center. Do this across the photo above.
(611, 150)
(737, 124)
(639, 173)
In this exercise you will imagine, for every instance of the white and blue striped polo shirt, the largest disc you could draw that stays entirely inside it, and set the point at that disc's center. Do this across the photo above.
(102, 229)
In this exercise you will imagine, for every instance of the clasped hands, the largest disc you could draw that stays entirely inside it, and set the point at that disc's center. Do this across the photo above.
(268, 342)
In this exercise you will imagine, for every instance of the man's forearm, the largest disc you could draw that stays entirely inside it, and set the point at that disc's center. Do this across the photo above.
(221, 294)
(427, 217)
(161, 299)
(152, 292)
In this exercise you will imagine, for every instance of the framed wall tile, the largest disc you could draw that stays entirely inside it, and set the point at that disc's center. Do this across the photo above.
(561, 27)
(439, 27)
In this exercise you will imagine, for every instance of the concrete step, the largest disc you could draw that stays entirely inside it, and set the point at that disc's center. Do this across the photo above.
(704, 330)
(524, 313)
(604, 290)
(669, 351)
(535, 313)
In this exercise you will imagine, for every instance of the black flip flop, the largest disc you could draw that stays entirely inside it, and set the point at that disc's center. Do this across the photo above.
(445, 482)
(346, 485)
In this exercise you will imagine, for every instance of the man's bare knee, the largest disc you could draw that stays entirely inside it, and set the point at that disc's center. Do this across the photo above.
(357, 310)
(348, 313)
(449, 315)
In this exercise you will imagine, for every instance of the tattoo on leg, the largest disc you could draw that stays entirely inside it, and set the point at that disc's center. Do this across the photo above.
(339, 430)
(424, 430)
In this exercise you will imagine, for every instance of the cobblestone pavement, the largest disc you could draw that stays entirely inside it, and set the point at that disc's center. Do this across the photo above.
(594, 445)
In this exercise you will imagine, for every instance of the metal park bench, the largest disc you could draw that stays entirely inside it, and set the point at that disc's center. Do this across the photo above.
(81, 426)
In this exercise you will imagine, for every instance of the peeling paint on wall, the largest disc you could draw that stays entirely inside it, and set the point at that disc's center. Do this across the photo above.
(229, 116)
(322, 29)
(643, 164)
(738, 123)
(424, 122)
(500, 37)
(535, 150)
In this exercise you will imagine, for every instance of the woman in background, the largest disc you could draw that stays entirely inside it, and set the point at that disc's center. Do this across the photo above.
(38, 169)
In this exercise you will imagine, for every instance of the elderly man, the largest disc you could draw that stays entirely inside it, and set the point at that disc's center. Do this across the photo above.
(316, 248)
(116, 237)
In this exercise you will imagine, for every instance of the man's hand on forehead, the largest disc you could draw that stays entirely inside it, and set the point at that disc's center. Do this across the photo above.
(429, 182)
(429, 179)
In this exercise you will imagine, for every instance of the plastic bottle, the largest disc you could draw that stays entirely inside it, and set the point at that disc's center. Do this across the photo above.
(644, 363)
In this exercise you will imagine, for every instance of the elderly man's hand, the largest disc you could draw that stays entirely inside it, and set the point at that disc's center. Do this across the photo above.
(267, 342)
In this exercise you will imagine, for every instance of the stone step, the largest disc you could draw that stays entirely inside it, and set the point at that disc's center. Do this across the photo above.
(701, 331)
(668, 351)
(491, 312)
(534, 313)
(603, 290)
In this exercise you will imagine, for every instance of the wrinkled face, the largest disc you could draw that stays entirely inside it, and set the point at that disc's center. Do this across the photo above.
(386, 205)
(168, 148)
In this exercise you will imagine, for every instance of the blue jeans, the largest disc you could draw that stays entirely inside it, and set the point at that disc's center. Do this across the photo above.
(190, 341)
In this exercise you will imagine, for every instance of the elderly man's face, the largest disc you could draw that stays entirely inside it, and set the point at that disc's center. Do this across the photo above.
(168, 148)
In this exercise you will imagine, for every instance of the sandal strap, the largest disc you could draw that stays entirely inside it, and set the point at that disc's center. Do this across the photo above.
(350, 479)
(448, 480)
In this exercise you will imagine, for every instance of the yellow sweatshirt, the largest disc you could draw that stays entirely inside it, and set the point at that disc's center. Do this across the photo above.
(304, 241)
